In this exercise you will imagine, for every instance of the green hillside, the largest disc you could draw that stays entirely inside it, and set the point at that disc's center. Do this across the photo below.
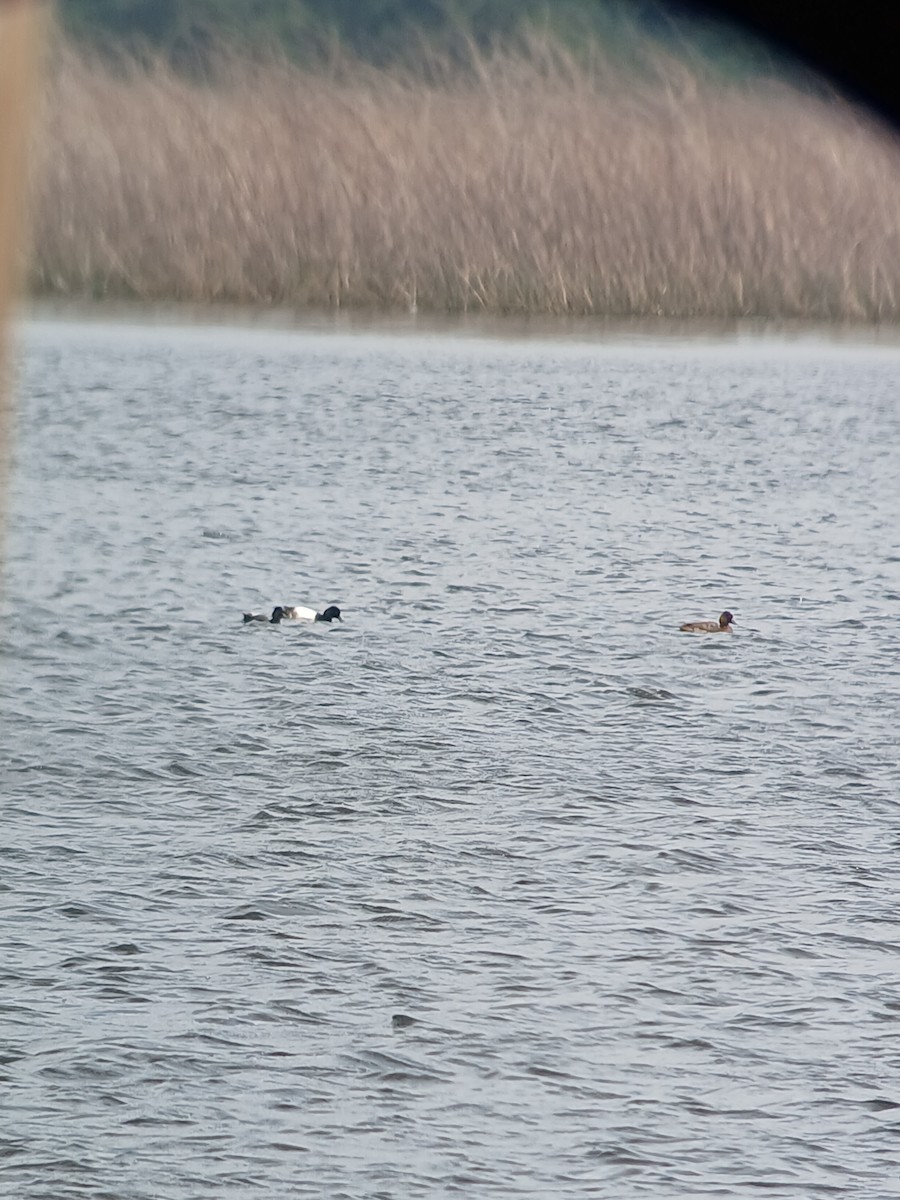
(387, 30)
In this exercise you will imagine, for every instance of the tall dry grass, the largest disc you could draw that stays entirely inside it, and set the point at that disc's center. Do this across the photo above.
(525, 183)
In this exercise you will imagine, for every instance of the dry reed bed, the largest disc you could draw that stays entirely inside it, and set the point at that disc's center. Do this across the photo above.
(527, 184)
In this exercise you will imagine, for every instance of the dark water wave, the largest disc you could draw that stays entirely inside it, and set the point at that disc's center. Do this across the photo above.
(503, 887)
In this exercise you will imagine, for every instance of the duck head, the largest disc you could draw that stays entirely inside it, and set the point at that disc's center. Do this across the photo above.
(726, 619)
(277, 615)
(333, 613)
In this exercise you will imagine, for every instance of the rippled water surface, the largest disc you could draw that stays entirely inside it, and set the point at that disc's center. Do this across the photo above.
(503, 887)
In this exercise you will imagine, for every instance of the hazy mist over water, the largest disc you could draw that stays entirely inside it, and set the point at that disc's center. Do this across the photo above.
(631, 892)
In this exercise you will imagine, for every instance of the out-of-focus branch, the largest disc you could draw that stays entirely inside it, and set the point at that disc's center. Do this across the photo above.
(21, 27)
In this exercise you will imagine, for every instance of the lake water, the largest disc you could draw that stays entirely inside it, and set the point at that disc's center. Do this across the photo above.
(503, 887)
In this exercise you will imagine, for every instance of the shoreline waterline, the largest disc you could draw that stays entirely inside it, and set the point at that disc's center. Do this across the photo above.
(466, 326)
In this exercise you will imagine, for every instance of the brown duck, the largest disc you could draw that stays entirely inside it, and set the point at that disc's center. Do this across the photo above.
(723, 625)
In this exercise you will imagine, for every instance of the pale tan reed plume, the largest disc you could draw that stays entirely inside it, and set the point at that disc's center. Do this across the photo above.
(525, 182)
(21, 28)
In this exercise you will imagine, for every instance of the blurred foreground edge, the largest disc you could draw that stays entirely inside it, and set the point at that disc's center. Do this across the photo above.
(22, 23)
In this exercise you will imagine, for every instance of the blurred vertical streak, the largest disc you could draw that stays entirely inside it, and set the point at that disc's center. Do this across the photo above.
(22, 23)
